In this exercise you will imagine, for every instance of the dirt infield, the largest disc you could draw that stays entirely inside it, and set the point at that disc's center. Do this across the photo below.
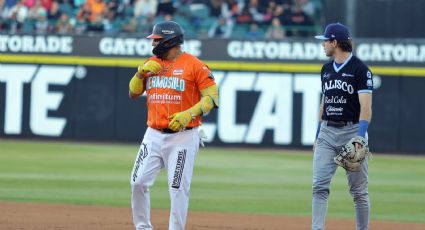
(29, 216)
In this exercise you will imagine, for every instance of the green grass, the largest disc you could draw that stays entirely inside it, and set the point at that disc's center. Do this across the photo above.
(225, 180)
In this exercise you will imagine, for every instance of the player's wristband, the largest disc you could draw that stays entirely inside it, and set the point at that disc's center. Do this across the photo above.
(363, 124)
(318, 129)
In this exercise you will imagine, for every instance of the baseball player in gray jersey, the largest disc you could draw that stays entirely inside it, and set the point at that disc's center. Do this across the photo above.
(345, 113)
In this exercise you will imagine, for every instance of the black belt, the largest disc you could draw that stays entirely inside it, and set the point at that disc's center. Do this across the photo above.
(340, 124)
(167, 130)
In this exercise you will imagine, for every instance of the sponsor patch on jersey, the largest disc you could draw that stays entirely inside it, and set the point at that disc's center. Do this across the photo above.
(332, 111)
(369, 82)
(177, 72)
(326, 75)
(369, 74)
(347, 75)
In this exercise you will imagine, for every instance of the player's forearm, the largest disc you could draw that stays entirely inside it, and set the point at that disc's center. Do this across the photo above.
(208, 102)
(365, 114)
(365, 117)
(320, 117)
(364, 120)
(365, 100)
(136, 87)
(321, 109)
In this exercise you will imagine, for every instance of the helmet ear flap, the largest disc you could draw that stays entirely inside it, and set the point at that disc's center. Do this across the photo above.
(164, 45)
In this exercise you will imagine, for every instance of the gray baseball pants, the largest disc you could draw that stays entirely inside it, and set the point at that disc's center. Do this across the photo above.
(328, 144)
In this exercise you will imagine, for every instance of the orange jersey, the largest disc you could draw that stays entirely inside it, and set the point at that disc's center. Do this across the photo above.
(175, 88)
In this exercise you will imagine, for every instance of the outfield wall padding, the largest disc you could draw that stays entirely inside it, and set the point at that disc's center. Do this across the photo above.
(61, 95)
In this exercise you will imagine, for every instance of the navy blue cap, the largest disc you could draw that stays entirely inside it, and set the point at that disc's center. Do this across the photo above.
(335, 31)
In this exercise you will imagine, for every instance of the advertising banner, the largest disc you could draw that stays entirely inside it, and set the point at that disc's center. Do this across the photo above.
(77, 88)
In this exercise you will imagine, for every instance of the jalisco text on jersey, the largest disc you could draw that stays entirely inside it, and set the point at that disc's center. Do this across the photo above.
(165, 82)
(338, 84)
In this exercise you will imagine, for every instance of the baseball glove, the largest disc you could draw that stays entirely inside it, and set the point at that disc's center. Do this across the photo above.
(350, 158)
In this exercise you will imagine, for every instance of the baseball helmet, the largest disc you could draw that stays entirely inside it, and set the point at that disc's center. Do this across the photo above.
(170, 34)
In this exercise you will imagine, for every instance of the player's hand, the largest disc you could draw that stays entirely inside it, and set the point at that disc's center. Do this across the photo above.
(150, 67)
(179, 120)
(358, 146)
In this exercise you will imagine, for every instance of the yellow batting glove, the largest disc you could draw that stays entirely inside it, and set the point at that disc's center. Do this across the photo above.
(150, 66)
(179, 120)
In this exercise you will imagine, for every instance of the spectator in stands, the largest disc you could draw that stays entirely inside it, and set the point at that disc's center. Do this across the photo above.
(130, 27)
(165, 7)
(84, 13)
(300, 23)
(253, 10)
(37, 10)
(215, 7)
(66, 7)
(18, 14)
(54, 13)
(46, 4)
(236, 16)
(80, 26)
(224, 8)
(117, 7)
(1, 10)
(307, 6)
(233, 8)
(78, 3)
(254, 32)
(283, 12)
(12, 24)
(221, 28)
(145, 8)
(10, 3)
(275, 31)
(5, 6)
(245, 16)
(108, 22)
(63, 25)
(30, 3)
(258, 10)
(97, 9)
(41, 26)
(96, 25)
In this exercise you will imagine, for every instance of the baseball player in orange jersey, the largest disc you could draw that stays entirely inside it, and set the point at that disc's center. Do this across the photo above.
(180, 89)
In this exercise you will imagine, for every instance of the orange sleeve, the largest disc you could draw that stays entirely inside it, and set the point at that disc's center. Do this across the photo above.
(204, 77)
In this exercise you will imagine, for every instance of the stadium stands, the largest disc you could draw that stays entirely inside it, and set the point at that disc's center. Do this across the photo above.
(252, 19)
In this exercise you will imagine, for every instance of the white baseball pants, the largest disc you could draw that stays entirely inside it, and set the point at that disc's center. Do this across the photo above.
(175, 152)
